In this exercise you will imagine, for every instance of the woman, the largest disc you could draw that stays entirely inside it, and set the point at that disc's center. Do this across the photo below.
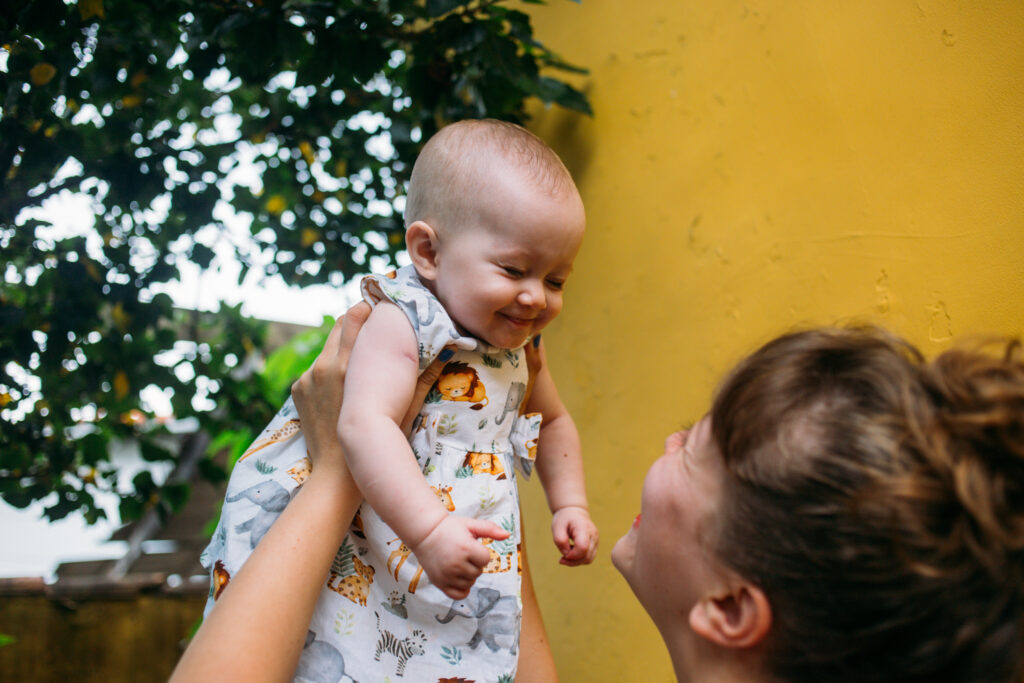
(847, 512)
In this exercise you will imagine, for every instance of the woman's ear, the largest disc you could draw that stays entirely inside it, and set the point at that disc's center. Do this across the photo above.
(421, 243)
(738, 618)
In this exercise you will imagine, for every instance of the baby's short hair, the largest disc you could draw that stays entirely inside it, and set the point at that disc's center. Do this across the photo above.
(452, 163)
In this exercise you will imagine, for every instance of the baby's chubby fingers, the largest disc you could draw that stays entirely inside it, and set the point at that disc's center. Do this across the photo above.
(480, 528)
(584, 547)
(575, 535)
(458, 585)
(452, 554)
(456, 593)
(576, 553)
(560, 535)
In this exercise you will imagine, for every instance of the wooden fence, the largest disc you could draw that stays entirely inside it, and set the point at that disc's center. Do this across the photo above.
(134, 638)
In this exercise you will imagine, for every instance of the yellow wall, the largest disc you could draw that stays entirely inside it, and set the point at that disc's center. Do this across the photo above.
(751, 167)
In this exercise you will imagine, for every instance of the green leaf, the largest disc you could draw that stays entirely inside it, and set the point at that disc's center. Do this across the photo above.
(284, 365)
(211, 471)
(437, 8)
(176, 494)
(551, 90)
(130, 508)
(153, 452)
(93, 448)
(143, 483)
(154, 155)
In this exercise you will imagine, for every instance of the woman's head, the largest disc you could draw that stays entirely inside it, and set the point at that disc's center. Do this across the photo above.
(667, 556)
(877, 500)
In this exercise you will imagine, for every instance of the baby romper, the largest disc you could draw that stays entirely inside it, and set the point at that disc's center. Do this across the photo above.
(379, 617)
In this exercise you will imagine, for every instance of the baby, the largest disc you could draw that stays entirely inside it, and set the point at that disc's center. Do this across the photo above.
(427, 580)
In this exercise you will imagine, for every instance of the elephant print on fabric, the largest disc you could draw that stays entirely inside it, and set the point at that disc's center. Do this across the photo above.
(271, 498)
(496, 618)
(324, 663)
(514, 398)
(375, 291)
(460, 382)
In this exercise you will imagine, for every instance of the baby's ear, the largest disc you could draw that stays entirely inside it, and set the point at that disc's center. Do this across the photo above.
(421, 242)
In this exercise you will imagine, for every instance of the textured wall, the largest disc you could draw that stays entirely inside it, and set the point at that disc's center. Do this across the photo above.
(752, 167)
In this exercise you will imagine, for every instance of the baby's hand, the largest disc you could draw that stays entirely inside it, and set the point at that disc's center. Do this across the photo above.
(453, 557)
(575, 535)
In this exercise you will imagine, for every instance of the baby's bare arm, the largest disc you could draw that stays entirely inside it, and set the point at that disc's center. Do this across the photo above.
(560, 467)
(559, 455)
(379, 385)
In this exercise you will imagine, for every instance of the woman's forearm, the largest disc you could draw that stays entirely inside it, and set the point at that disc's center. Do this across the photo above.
(536, 663)
(257, 629)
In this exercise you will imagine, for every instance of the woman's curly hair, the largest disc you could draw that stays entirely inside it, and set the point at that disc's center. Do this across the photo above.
(878, 500)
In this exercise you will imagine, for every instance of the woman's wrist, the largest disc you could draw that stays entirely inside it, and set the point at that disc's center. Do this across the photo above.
(330, 479)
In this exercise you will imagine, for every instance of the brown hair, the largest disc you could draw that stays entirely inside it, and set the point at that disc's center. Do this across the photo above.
(878, 500)
(453, 166)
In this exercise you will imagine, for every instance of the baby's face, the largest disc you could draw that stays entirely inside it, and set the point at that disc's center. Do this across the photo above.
(502, 277)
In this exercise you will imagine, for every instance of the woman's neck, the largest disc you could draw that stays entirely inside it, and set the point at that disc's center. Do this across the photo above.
(696, 660)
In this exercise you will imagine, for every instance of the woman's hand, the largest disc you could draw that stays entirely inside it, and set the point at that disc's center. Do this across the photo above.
(319, 391)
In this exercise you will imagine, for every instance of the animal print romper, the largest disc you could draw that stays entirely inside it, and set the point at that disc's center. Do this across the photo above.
(379, 617)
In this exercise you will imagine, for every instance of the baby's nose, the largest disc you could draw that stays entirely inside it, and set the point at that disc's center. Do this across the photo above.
(532, 295)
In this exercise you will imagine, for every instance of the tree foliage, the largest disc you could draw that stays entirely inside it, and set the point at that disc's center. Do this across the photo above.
(154, 111)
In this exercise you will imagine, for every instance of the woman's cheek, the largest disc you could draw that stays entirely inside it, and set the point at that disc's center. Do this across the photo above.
(652, 483)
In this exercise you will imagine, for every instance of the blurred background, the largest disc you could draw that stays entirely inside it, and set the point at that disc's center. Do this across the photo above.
(747, 167)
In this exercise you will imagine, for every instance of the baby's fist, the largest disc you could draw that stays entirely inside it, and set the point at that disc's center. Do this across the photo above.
(575, 535)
